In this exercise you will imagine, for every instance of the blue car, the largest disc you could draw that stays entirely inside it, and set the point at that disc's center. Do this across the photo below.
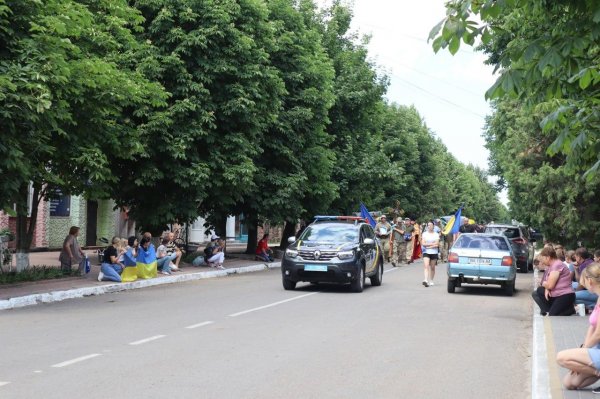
(482, 259)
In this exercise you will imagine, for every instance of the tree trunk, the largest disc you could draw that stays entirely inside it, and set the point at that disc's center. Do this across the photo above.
(288, 231)
(252, 234)
(25, 230)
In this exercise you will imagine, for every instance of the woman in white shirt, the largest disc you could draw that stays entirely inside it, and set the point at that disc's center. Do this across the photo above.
(431, 244)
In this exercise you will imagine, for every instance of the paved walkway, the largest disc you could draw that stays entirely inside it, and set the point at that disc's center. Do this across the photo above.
(550, 334)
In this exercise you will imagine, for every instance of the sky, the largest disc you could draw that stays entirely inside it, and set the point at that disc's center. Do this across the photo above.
(447, 91)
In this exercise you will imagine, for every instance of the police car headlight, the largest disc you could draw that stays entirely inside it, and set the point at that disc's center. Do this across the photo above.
(345, 254)
(291, 253)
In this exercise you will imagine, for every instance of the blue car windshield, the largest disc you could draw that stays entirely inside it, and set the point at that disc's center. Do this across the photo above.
(330, 233)
(497, 243)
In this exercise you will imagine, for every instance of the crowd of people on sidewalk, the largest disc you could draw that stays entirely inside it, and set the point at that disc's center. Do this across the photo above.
(570, 285)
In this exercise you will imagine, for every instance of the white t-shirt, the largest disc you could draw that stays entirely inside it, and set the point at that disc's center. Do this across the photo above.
(161, 251)
(429, 239)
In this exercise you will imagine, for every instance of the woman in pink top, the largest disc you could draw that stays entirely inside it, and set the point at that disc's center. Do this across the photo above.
(584, 362)
(555, 296)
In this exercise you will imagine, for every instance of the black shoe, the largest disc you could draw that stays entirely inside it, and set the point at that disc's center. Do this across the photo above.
(596, 390)
(425, 283)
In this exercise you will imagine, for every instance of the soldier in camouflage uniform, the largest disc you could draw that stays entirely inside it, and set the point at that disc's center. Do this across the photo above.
(399, 244)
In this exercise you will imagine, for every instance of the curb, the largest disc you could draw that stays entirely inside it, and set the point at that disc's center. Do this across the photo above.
(57, 296)
(540, 382)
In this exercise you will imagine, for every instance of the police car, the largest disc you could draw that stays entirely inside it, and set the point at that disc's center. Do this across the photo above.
(334, 249)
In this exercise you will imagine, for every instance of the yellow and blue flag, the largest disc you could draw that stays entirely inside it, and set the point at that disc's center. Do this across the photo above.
(146, 262)
(364, 213)
(454, 223)
(130, 271)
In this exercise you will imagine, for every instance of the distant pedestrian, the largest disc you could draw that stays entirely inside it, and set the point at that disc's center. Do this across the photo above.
(399, 242)
(71, 253)
(409, 238)
(431, 244)
(383, 231)
(416, 238)
(584, 363)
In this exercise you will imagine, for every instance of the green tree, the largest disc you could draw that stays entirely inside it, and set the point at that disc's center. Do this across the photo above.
(213, 59)
(541, 188)
(546, 53)
(64, 88)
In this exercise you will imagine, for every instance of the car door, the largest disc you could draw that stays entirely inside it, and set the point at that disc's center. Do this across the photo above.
(368, 249)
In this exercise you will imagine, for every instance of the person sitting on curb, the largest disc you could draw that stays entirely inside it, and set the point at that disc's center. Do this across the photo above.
(213, 253)
(555, 295)
(583, 259)
(584, 362)
(163, 260)
(173, 251)
(263, 252)
(111, 268)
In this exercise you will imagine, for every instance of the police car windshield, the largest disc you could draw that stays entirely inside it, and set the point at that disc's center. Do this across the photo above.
(326, 232)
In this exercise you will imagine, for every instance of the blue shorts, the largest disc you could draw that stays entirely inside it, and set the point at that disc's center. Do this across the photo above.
(595, 356)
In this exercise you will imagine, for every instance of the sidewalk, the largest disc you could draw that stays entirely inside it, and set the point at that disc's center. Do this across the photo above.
(550, 336)
(46, 291)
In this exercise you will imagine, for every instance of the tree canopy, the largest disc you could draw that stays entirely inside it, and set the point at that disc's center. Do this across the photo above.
(179, 109)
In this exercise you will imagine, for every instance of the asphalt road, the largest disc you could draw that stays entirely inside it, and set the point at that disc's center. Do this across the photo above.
(245, 337)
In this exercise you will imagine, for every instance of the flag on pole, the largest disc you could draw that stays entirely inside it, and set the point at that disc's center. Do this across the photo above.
(364, 213)
(454, 223)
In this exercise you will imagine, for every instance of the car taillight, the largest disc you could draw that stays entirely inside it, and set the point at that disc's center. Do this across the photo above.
(520, 241)
(453, 257)
(507, 261)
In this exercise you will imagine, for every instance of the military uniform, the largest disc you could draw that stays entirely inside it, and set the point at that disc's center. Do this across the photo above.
(399, 245)
(383, 231)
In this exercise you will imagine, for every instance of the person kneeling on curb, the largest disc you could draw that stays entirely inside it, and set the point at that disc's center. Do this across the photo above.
(111, 268)
(584, 362)
(214, 254)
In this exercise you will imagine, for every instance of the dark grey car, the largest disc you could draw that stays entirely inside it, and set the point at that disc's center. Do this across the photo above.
(334, 249)
(522, 243)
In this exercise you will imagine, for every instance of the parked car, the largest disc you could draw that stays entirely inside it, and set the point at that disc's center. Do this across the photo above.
(479, 258)
(334, 249)
(522, 243)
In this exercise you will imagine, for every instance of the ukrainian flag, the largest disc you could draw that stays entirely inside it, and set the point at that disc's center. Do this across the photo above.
(454, 223)
(130, 271)
(146, 262)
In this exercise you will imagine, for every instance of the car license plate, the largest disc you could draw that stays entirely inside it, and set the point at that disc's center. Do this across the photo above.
(479, 261)
(315, 268)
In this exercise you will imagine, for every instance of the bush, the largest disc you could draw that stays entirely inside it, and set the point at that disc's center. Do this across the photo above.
(35, 273)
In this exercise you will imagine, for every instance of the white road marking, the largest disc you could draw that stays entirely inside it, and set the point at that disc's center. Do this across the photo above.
(145, 340)
(205, 323)
(272, 304)
(37, 371)
(4, 383)
(79, 359)
(390, 270)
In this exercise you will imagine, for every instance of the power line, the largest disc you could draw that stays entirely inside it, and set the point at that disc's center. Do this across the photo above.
(406, 82)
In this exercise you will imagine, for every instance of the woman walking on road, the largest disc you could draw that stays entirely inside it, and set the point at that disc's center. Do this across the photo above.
(431, 245)
(584, 362)
(416, 254)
